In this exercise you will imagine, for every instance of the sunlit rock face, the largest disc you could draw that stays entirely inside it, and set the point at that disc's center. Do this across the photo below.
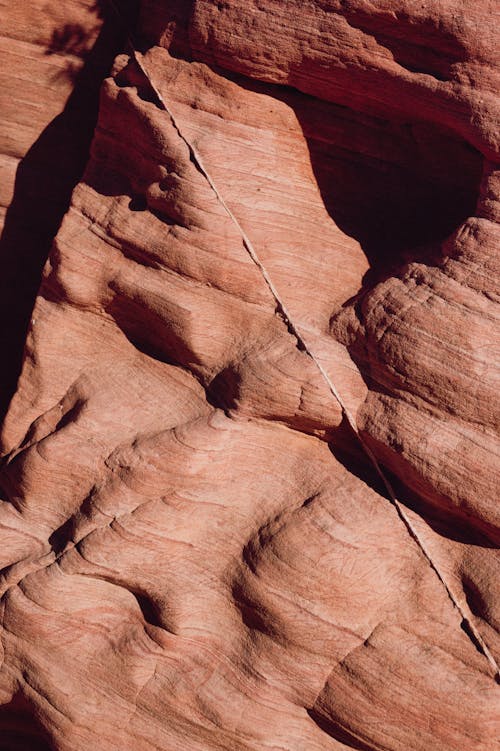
(268, 311)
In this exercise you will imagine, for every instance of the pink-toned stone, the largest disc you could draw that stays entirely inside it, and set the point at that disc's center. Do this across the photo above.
(197, 551)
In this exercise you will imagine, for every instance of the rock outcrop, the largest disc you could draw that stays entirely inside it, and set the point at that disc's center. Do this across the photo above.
(250, 466)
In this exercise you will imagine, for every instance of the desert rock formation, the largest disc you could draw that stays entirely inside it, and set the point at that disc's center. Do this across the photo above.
(249, 479)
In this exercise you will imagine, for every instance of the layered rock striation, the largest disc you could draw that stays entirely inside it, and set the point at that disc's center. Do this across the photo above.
(250, 467)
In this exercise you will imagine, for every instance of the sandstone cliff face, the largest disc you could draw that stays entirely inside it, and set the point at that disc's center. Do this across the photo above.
(249, 479)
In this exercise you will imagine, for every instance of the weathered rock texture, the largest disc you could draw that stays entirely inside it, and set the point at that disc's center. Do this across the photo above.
(250, 467)
(53, 57)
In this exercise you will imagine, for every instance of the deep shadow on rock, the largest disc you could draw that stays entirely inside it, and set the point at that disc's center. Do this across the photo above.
(20, 727)
(396, 208)
(397, 187)
(45, 180)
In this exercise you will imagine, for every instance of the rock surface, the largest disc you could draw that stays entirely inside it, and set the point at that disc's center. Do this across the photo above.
(53, 58)
(249, 486)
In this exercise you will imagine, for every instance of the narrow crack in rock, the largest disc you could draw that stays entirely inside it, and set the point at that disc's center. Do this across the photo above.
(467, 624)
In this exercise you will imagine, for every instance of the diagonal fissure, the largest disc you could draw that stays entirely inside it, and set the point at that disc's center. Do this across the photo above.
(467, 623)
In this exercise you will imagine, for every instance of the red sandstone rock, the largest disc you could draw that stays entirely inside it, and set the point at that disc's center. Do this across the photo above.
(53, 57)
(259, 296)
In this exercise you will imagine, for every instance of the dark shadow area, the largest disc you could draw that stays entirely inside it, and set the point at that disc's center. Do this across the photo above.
(222, 392)
(466, 628)
(399, 189)
(253, 614)
(149, 332)
(474, 597)
(166, 23)
(151, 611)
(20, 729)
(73, 39)
(45, 179)
(67, 533)
(443, 517)
(336, 731)
(421, 46)
(61, 536)
(348, 451)
(138, 203)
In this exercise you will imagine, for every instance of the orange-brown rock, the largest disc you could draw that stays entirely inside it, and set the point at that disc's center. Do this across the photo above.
(250, 466)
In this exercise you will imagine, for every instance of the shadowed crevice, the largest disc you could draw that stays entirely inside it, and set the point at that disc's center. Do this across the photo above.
(397, 187)
(409, 189)
(20, 728)
(45, 180)
(339, 733)
(420, 45)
